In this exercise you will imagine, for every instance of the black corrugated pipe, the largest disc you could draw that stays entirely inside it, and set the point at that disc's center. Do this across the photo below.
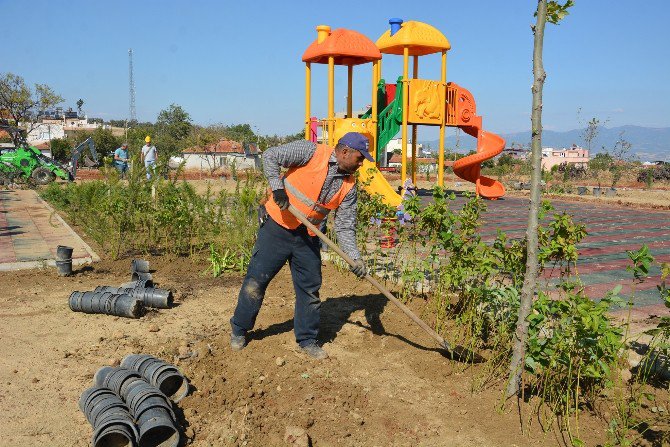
(139, 270)
(151, 296)
(113, 426)
(63, 253)
(121, 305)
(64, 260)
(164, 376)
(142, 283)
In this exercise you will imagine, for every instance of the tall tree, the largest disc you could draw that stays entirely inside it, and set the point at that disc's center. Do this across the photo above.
(80, 104)
(174, 121)
(173, 126)
(21, 103)
(552, 12)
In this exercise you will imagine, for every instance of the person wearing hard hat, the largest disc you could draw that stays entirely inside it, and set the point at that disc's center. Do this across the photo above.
(149, 157)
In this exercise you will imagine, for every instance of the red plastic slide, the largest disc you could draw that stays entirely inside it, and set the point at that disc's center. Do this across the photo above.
(488, 146)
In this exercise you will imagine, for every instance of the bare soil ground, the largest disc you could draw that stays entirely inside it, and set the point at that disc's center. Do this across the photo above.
(383, 385)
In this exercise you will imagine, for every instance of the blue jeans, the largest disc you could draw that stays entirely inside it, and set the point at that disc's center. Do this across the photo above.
(122, 167)
(149, 166)
(276, 245)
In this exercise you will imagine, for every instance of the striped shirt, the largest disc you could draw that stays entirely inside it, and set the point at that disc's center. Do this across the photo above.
(298, 153)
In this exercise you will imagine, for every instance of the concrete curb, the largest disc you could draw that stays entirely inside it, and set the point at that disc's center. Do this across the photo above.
(93, 255)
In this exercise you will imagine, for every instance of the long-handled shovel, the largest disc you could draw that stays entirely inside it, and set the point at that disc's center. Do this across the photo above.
(301, 217)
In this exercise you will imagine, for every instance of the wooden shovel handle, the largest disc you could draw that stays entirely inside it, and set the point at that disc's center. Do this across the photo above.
(301, 217)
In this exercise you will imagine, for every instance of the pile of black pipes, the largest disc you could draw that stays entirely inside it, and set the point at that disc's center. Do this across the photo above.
(126, 409)
(128, 300)
(120, 305)
(64, 260)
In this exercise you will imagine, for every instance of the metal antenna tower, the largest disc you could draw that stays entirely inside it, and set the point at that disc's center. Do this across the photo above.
(133, 116)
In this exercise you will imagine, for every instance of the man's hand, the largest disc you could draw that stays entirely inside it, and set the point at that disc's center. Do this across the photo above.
(281, 199)
(359, 269)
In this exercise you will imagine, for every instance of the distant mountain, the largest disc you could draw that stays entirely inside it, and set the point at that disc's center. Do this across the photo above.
(647, 143)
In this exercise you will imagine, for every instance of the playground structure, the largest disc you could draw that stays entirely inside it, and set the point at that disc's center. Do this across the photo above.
(408, 102)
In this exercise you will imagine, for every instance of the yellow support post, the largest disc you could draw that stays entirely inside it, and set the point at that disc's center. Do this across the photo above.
(350, 81)
(405, 105)
(375, 118)
(440, 152)
(379, 70)
(331, 99)
(415, 74)
(308, 100)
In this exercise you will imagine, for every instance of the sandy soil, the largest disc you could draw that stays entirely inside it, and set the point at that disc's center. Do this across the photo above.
(384, 385)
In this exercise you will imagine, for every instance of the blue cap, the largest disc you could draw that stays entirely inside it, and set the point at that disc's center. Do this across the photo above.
(357, 141)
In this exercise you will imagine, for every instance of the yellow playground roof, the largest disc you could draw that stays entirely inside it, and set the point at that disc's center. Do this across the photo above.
(420, 37)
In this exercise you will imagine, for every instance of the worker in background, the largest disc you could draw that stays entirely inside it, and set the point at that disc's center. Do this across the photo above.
(319, 180)
(121, 159)
(148, 155)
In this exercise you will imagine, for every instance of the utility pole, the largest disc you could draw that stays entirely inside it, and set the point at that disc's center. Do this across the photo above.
(133, 116)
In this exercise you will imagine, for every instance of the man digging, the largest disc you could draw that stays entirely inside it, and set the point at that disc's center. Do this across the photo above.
(319, 180)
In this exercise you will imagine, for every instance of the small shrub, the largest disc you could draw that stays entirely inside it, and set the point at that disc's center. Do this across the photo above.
(573, 348)
(654, 174)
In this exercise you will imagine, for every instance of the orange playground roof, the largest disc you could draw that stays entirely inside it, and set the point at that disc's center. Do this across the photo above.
(421, 38)
(346, 46)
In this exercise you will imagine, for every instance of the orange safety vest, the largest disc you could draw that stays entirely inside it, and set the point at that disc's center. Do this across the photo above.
(303, 185)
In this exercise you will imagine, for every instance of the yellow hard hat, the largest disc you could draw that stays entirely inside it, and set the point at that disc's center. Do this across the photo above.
(148, 139)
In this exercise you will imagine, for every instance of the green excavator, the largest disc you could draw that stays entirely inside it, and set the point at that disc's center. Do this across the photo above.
(27, 163)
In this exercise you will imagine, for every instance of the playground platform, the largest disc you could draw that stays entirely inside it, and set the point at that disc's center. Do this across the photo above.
(30, 232)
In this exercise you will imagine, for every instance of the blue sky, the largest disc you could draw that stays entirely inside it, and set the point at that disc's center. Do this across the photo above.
(234, 62)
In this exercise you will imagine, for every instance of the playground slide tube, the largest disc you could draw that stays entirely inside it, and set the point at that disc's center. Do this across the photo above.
(372, 181)
(468, 168)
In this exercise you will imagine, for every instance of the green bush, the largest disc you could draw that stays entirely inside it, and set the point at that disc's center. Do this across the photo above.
(160, 216)
(573, 348)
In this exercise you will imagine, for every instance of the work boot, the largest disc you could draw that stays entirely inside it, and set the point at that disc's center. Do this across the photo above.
(314, 351)
(237, 342)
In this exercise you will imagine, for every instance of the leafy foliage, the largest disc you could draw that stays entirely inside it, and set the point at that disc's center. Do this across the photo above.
(173, 126)
(642, 260)
(573, 347)
(556, 11)
(161, 216)
(21, 102)
(654, 173)
(475, 293)
(660, 344)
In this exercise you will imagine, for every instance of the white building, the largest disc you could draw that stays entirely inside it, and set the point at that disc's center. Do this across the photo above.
(43, 132)
(396, 144)
(224, 154)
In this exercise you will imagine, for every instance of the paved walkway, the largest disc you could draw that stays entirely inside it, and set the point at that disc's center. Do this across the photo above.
(30, 232)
